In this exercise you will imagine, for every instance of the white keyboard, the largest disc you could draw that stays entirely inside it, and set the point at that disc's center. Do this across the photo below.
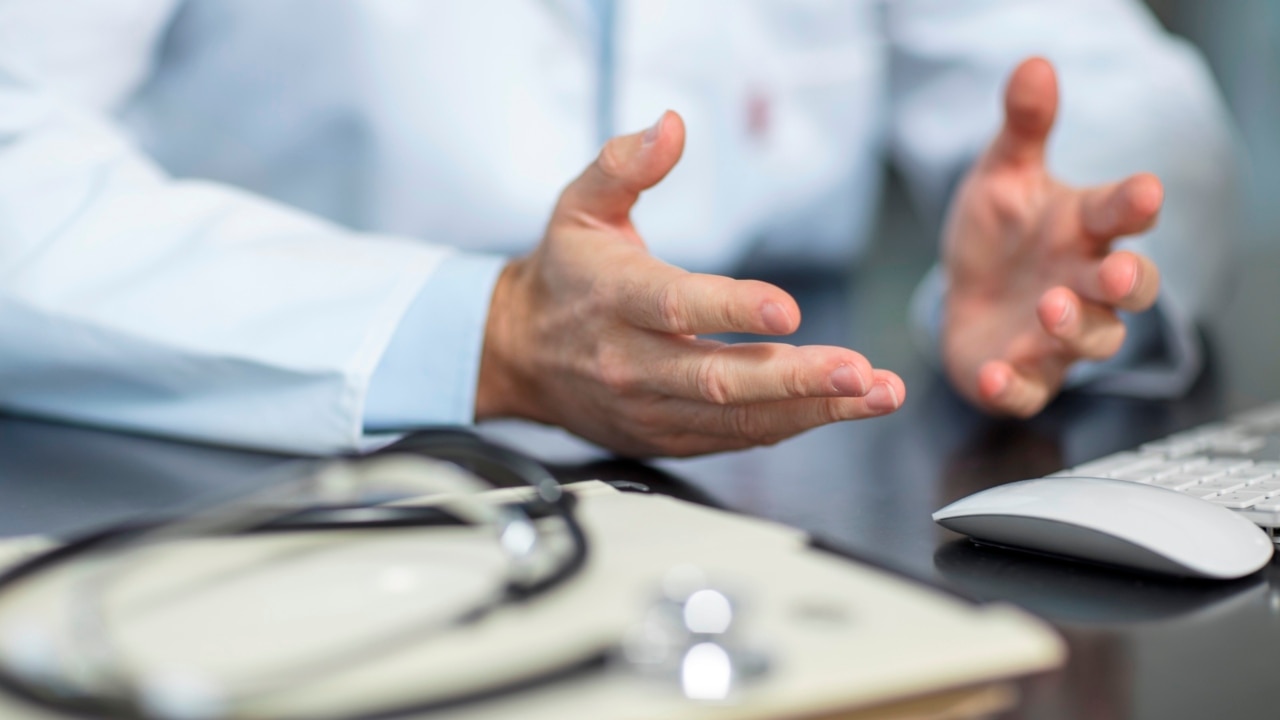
(1235, 464)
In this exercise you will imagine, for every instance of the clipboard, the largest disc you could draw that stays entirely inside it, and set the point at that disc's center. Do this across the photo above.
(846, 640)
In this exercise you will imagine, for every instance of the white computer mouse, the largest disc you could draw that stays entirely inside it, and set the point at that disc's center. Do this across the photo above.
(1113, 522)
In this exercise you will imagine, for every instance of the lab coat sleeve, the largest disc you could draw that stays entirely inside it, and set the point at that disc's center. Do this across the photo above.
(189, 309)
(1133, 98)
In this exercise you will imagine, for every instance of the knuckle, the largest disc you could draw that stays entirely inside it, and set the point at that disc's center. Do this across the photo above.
(794, 382)
(747, 425)
(1008, 200)
(832, 411)
(1005, 204)
(669, 309)
(710, 380)
(611, 161)
(615, 371)
(731, 311)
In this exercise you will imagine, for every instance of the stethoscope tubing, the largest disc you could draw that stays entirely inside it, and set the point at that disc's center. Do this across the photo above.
(463, 448)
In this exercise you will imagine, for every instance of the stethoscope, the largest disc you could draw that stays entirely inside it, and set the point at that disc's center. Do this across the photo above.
(499, 466)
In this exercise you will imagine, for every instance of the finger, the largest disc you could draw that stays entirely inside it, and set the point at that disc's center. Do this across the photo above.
(722, 374)
(1030, 104)
(888, 392)
(1123, 208)
(1129, 281)
(627, 164)
(1004, 389)
(1123, 280)
(767, 423)
(717, 429)
(657, 296)
(1086, 330)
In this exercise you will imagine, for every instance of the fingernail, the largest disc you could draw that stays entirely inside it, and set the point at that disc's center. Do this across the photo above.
(1065, 316)
(882, 398)
(775, 318)
(1133, 282)
(848, 381)
(651, 135)
(1002, 384)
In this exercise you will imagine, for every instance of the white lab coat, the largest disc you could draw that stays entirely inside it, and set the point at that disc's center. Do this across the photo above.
(214, 214)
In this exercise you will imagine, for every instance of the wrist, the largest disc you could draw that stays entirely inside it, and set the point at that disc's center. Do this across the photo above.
(503, 383)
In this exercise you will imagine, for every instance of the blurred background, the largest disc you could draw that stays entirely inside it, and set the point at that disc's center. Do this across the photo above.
(1240, 39)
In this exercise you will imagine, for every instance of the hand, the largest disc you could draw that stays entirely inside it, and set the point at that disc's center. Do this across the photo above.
(1033, 284)
(592, 333)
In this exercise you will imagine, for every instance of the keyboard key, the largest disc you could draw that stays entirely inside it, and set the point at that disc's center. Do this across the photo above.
(1166, 469)
(1222, 485)
(1216, 468)
(1177, 482)
(1202, 493)
(1270, 487)
(1096, 468)
(1238, 445)
(1204, 472)
(1172, 449)
(1239, 500)
(1120, 462)
(1252, 476)
(1146, 463)
(1212, 462)
(1138, 476)
(1229, 464)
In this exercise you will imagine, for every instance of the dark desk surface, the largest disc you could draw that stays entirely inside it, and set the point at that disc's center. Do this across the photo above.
(1141, 647)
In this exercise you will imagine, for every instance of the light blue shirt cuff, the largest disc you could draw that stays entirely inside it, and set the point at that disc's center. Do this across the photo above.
(429, 370)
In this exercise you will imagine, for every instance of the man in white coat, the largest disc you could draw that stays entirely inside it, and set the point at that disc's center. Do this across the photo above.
(286, 224)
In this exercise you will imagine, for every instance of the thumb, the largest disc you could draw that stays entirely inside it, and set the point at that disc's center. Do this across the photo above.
(1030, 104)
(627, 164)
